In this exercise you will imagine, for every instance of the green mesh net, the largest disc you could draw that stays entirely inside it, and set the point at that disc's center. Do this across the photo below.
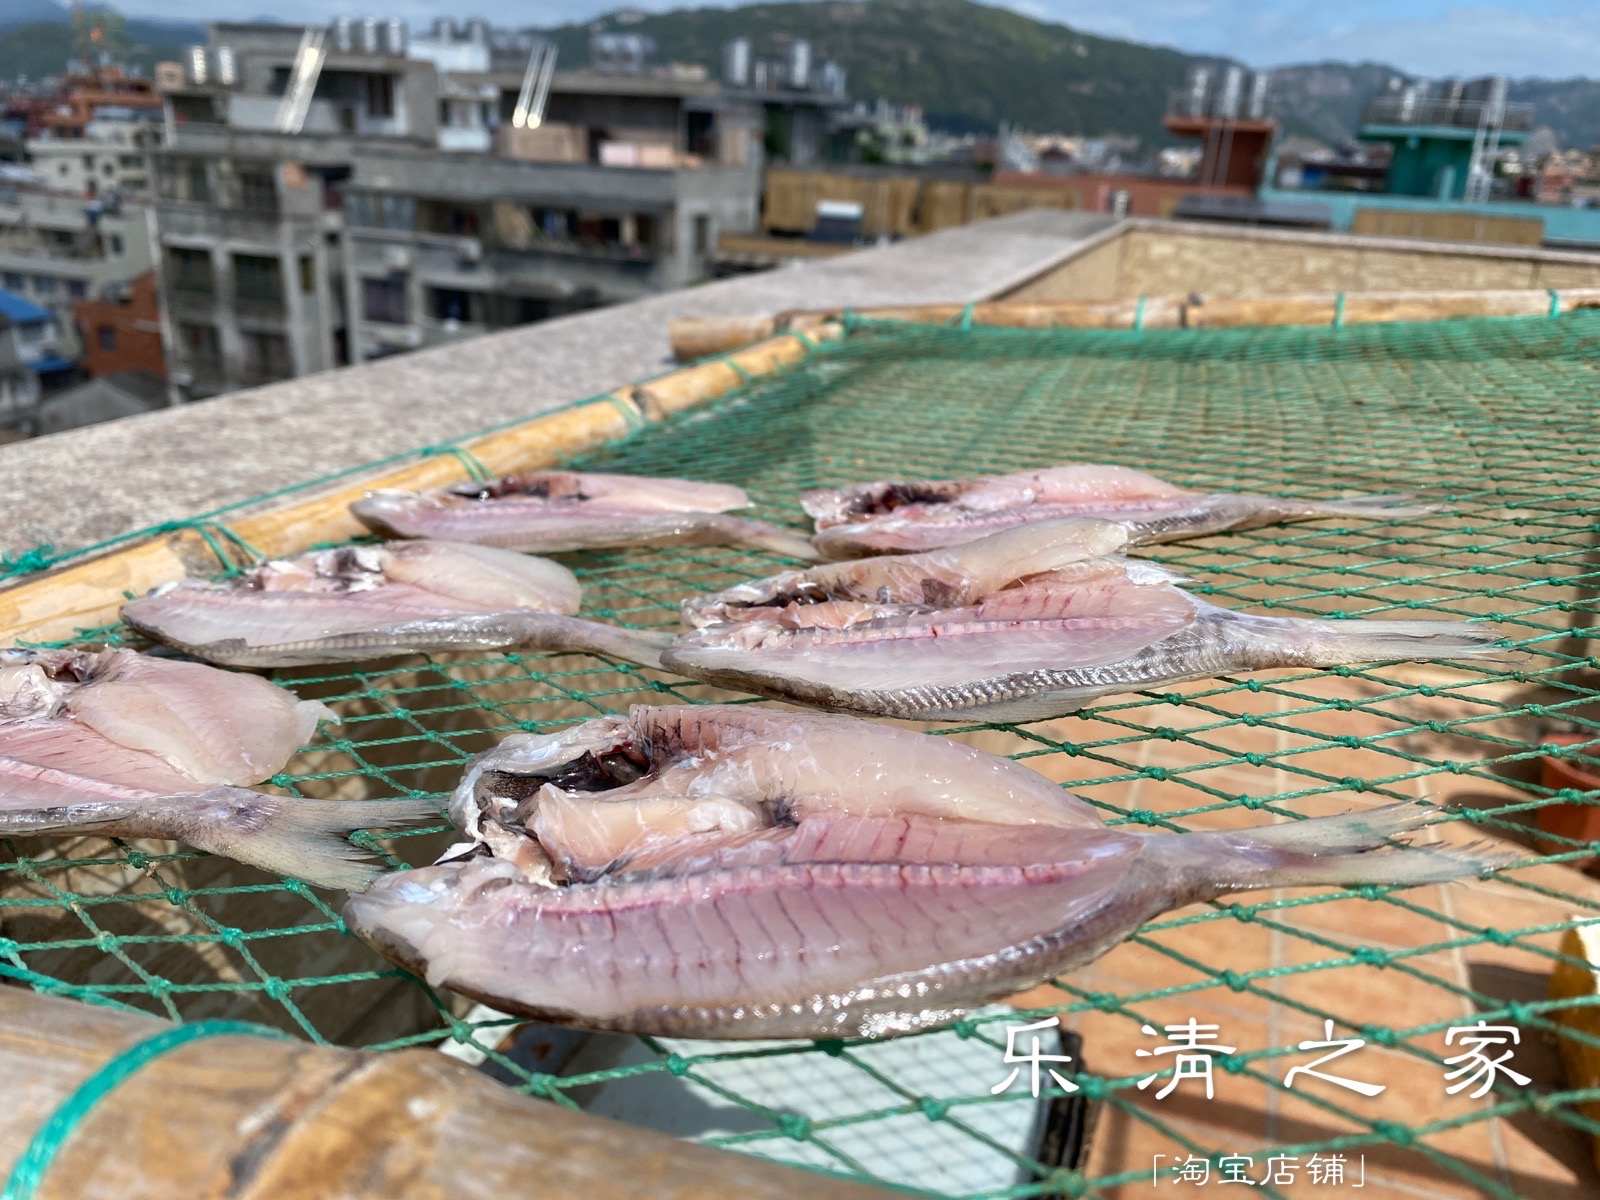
(1496, 420)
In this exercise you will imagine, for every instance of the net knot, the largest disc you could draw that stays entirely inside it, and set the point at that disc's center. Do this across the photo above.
(36, 558)
(934, 1110)
(795, 1126)
(1371, 956)
(677, 1065)
(1398, 1134)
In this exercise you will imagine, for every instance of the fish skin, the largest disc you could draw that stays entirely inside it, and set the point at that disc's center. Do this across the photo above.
(365, 602)
(942, 578)
(852, 915)
(1036, 651)
(126, 745)
(550, 512)
(901, 517)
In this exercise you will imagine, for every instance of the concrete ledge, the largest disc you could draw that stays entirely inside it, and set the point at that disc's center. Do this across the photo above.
(73, 489)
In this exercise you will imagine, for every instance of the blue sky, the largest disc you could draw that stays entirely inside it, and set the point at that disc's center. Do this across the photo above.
(1431, 37)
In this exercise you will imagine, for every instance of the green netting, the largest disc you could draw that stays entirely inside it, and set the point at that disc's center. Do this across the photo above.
(1495, 419)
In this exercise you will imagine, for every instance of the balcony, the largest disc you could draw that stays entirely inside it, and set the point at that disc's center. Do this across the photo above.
(1416, 112)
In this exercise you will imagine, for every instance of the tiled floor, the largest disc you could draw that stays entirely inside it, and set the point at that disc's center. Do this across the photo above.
(1299, 958)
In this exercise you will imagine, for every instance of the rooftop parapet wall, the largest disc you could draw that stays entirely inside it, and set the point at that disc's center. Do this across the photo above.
(176, 463)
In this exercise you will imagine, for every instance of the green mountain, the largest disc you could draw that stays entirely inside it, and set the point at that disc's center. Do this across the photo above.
(968, 66)
(41, 48)
(971, 66)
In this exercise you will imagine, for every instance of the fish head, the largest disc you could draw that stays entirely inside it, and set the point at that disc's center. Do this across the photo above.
(597, 755)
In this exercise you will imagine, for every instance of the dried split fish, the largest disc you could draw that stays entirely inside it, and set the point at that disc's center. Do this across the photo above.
(364, 602)
(127, 745)
(550, 511)
(1012, 627)
(734, 872)
(897, 517)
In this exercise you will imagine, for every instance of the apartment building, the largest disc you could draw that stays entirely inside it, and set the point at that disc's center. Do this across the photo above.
(332, 195)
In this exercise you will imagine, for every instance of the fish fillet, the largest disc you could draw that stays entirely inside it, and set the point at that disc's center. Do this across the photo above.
(127, 745)
(364, 602)
(550, 511)
(898, 517)
(1044, 647)
(781, 875)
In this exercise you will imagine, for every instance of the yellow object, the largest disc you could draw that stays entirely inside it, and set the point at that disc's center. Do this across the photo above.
(1567, 982)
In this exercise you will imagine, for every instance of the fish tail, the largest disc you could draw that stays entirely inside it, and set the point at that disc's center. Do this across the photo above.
(304, 839)
(784, 542)
(1264, 642)
(1388, 506)
(1350, 850)
(1335, 642)
(574, 635)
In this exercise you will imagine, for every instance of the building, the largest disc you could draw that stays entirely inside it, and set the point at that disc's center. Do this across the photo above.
(332, 195)
(1446, 136)
(73, 221)
(31, 358)
(121, 329)
(1227, 112)
(109, 158)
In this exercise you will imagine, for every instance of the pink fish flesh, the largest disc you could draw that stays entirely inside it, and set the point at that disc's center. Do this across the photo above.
(897, 517)
(550, 511)
(1036, 648)
(124, 744)
(729, 872)
(364, 602)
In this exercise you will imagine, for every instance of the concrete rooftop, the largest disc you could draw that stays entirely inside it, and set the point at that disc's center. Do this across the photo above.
(73, 489)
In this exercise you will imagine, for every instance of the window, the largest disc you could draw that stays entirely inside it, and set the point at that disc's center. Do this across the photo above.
(384, 299)
(190, 269)
(257, 280)
(702, 233)
(62, 169)
(129, 162)
(266, 356)
(88, 162)
(116, 243)
(444, 112)
(77, 289)
(14, 281)
(380, 95)
(456, 304)
(199, 187)
(308, 275)
(257, 191)
(201, 345)
(105, 337)
(45, 285)
(110, 168)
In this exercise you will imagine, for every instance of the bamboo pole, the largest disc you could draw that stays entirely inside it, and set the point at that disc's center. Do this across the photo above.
(699, 337)
(239, 1117)
(88, 594)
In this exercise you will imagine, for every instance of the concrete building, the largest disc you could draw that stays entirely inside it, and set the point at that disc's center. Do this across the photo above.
(121, 329)
(108, 160)
(348, 193)
(31, 356)
(58, 247)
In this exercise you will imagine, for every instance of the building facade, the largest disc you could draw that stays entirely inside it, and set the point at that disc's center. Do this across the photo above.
(344, 194)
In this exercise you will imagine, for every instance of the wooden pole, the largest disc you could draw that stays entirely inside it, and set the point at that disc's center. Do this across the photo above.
(698, 337)
(85, 595)
(239, 1117)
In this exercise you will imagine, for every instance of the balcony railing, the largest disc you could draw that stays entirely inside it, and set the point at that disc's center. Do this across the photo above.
(1463, 114)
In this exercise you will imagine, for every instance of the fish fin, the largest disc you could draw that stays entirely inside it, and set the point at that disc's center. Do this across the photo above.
(303, 839)
(574, 635)
(1335, 642)
(1350, 850)
(1388, 506)
(787, 543)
